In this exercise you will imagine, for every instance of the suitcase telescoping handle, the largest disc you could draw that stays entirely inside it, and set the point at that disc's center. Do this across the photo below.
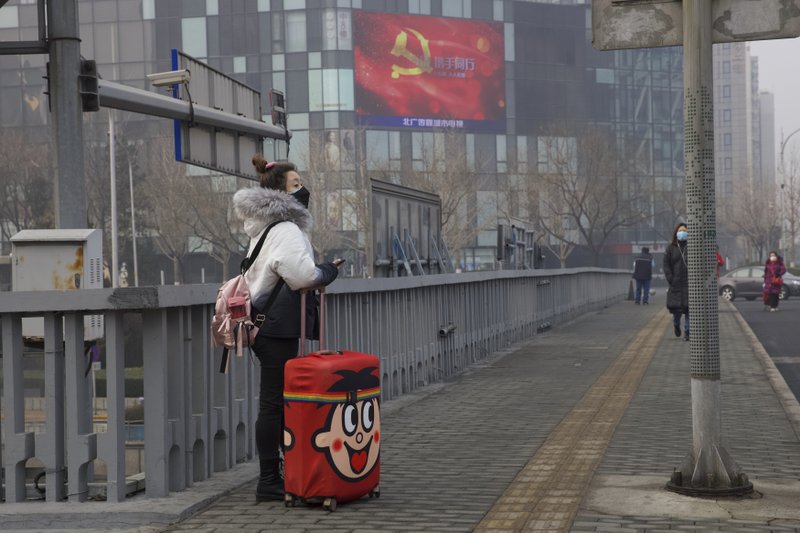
(303, 293)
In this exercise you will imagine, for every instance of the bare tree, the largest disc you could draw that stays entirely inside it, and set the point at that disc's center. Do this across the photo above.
(757, 218)
(213, 221)
(586, 194)
(26, 186)
(789, 202)
(443, 167)
(169, 217)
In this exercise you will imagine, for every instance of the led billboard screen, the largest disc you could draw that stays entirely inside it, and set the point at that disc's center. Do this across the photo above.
(426, 72)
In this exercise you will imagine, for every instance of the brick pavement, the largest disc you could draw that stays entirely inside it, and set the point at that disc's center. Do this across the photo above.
(449, 456)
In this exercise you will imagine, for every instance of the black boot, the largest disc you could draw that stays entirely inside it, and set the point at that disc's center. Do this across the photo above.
(270, 483)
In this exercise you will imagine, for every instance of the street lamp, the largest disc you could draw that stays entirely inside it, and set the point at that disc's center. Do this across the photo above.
(783, 201)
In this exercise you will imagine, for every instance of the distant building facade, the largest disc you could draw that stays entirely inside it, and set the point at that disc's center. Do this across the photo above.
(545, 73)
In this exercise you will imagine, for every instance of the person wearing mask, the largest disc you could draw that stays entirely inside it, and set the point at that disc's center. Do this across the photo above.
(643, 273)
(773, 280)
(287, 255)
(676, 270)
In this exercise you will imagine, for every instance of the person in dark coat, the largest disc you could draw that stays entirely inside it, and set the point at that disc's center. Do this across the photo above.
(676, 270)
(643, 273)
(773, 282)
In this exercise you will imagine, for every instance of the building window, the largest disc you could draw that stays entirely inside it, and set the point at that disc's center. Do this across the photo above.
(330, 90)
(337, 30)
(726, 67)
(419, 7)
(263, 5)
(726, 91)
(296, 31)
(148, 9)
(498, 10)
(239, 65)
(9, 17)
(212, 7)
(457, 8)
(727, 139)
(728, 163)
(193, 33)
(294, 4)
(726, 115)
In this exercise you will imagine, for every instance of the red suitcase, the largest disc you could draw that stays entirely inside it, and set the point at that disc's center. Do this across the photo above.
(332, 426)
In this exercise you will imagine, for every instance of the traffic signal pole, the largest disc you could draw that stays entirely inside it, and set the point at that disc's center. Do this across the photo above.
(67, 113)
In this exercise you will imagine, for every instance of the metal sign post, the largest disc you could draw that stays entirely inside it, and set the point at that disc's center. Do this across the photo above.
(708, 468)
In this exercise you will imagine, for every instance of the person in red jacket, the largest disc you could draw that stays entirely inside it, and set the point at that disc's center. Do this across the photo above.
(773, 282)
(720, 262)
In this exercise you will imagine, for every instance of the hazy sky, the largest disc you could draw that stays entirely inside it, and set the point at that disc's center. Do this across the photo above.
(779, 73)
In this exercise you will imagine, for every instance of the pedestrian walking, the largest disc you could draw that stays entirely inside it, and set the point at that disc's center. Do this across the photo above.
(286, 255)
(774, 270)
(676, 270)
(643, 274)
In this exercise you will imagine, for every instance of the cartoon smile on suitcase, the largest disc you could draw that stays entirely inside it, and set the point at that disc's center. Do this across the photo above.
(351, 437)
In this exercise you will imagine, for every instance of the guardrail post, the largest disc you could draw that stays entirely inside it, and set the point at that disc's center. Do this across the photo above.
(112, 442)
(51, 444)
(19, 444)
(81, 440)
(154, 348)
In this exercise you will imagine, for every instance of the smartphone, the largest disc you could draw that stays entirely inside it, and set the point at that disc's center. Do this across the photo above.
(338, 262)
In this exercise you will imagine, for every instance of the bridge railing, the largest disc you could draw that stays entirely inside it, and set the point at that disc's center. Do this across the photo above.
(198, 421)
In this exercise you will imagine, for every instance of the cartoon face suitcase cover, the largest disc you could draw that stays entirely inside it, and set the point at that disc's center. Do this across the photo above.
(332, 427)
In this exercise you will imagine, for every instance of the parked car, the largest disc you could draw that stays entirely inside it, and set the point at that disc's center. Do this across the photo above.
(748, 283)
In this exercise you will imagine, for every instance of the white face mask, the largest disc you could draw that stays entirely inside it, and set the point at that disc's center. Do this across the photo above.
(773, 258)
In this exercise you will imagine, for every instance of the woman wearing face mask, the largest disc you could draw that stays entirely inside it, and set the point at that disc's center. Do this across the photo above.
(676, 270)
(773, 282)
(286, 254)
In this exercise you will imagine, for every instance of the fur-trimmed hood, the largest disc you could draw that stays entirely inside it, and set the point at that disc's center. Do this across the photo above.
(258, 207)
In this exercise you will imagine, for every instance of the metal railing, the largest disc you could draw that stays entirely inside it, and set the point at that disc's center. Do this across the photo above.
(198, 421)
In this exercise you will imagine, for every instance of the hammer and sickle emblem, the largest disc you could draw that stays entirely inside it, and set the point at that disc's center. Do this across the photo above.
(423, 64)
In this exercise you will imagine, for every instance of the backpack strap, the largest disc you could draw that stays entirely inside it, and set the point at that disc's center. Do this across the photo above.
(247, 261)
(262, 316)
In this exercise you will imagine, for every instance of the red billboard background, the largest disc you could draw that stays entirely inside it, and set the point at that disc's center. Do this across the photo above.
(425, 72)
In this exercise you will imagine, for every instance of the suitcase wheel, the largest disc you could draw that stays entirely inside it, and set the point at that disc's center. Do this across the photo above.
(329, 504)
(289, 500)
(375, 493)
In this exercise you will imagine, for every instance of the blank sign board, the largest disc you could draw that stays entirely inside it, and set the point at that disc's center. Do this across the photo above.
(217, 149)
(618, 24)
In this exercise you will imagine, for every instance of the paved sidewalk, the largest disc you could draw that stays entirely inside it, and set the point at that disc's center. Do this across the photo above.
(577, 429)
(451, 456)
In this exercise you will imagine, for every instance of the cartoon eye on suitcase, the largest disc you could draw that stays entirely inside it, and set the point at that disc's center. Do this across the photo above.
(332, 431)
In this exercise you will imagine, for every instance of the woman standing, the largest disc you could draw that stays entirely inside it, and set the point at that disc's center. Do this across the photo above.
(676, 270)
(773, 282)
(286, 254)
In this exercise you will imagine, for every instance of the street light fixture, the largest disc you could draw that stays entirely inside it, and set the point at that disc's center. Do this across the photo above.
(782, 244)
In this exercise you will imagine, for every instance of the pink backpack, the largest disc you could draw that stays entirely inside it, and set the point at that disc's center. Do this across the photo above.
(232, 326)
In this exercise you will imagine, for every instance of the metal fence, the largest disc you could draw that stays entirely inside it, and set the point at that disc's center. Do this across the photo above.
(198, 421)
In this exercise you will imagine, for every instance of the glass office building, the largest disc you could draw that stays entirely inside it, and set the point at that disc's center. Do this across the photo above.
(511, 70)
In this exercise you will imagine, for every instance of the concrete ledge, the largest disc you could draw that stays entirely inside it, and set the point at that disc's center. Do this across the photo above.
(138, 513)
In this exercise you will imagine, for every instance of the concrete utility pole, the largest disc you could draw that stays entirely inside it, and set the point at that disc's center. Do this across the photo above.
(696, 24)
(65, 102)
(708, 468)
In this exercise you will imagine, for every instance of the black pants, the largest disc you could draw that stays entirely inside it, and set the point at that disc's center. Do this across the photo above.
(272, 354)
(772, 300)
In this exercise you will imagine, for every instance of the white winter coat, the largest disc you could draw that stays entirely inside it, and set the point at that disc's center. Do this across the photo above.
(287, 251)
